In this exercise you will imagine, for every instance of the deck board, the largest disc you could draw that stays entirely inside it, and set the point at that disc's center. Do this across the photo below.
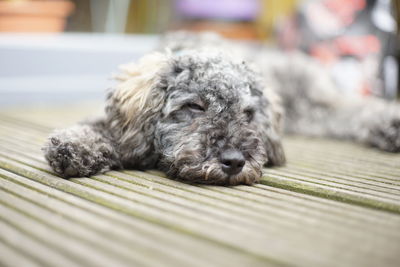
(333, 204)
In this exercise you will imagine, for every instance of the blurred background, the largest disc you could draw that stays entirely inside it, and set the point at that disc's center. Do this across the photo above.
(56, 52)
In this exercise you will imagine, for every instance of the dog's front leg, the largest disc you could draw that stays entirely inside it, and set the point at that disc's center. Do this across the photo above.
(82, 150)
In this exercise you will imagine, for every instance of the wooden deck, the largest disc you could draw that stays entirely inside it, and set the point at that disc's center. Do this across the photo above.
(333, 204)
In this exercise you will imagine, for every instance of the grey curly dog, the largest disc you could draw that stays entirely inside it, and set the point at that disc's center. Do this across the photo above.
(206, 116)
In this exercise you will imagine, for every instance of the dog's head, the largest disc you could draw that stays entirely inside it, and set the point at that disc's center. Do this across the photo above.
(200, 117)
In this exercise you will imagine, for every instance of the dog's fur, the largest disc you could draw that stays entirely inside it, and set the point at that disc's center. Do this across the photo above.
(177, 111)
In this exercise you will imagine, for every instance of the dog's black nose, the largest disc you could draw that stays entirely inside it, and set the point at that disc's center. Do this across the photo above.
(232, 161)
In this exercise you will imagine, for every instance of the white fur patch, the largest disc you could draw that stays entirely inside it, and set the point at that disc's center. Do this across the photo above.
(137, 80)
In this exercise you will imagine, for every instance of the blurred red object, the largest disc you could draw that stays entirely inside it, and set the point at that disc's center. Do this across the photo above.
(360, 46)
(345, 9)
(34, 16)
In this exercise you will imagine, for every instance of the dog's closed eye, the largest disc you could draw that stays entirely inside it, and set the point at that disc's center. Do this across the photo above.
(196, 108)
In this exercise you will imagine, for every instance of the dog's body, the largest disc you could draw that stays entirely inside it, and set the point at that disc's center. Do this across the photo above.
(202, 116)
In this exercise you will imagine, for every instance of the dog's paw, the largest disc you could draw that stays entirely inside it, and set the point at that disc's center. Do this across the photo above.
(386, 135)
(71, 157)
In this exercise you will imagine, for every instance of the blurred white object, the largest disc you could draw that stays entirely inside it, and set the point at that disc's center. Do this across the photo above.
(66, 67)
(347, 73)
(381, 16)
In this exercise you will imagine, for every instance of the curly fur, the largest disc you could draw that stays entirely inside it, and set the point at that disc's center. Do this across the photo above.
(177, 111)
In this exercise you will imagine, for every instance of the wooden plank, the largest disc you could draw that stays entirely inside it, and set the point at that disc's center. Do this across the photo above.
(357, 190)
(98, 233)
(30, 247)
(255, 244)
(153, 186)
(373, 238)
(84, 253)
(12, 257)
(150, 237)
(246, 211)
(314, 169)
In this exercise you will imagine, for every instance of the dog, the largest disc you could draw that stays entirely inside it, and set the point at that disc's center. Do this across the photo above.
(204, 115)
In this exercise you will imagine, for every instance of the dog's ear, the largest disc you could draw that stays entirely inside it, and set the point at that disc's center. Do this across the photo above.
(135, 93)
(134, 106)
(272, 127)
